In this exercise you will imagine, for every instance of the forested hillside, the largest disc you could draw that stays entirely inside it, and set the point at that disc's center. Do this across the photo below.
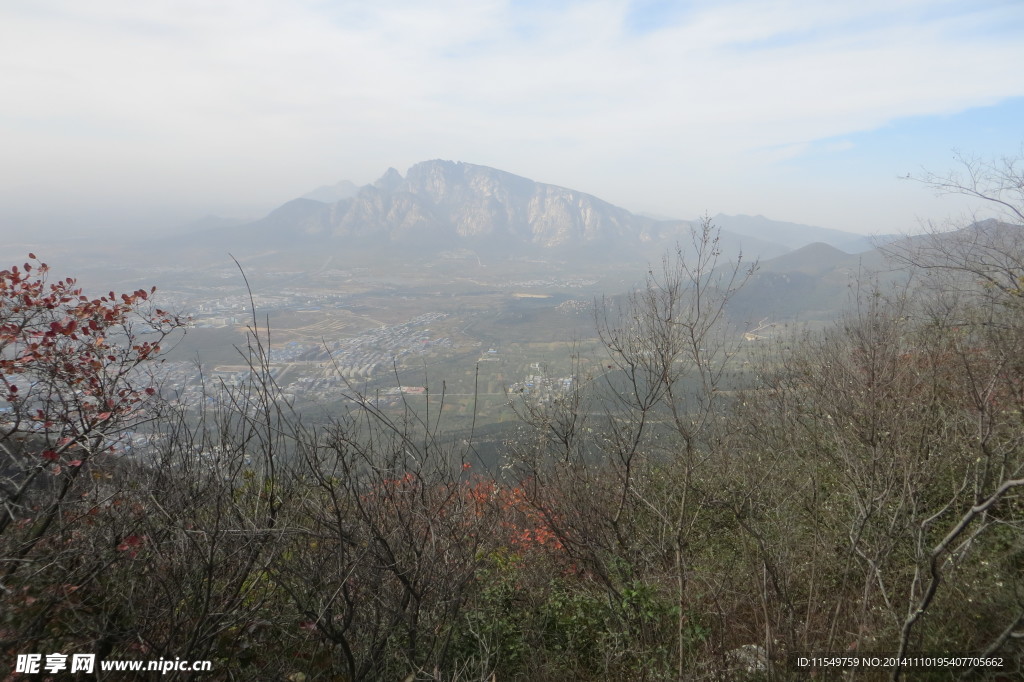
(861, 494)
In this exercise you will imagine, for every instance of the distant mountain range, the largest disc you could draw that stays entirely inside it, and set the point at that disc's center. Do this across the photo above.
(794, 235)
(444, 205)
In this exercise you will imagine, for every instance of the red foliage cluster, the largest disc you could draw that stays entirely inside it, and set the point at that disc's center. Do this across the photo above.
(524, 526)
(66, 359)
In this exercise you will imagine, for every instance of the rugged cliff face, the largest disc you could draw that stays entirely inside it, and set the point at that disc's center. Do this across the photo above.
(449, 200)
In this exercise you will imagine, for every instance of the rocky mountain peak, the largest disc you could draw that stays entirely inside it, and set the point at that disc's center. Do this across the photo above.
(390, 181)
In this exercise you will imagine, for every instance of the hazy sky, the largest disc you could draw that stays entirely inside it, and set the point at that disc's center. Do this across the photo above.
(801, 110)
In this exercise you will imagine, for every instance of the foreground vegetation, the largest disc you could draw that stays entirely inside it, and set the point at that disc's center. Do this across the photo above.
(863, 496)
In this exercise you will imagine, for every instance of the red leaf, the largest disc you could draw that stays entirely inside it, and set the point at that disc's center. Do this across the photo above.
(75, 463)
(129, 542)
(50, 455)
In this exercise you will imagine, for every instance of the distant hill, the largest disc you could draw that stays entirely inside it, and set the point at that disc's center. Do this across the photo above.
(813, 283)
(812, 259)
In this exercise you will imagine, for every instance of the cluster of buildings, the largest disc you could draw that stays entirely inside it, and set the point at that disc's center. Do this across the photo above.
(315, 371)
(542, 389)
(574, 305)
(380, 350)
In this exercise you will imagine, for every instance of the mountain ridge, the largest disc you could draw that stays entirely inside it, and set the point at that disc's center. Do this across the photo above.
(441, 205)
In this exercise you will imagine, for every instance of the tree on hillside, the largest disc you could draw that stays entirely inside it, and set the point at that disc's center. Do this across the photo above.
(621, 473)
(999, 182)
(971, 285)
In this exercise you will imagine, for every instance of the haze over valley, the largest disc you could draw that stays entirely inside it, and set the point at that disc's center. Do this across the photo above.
(512, 341)
(451, 272)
